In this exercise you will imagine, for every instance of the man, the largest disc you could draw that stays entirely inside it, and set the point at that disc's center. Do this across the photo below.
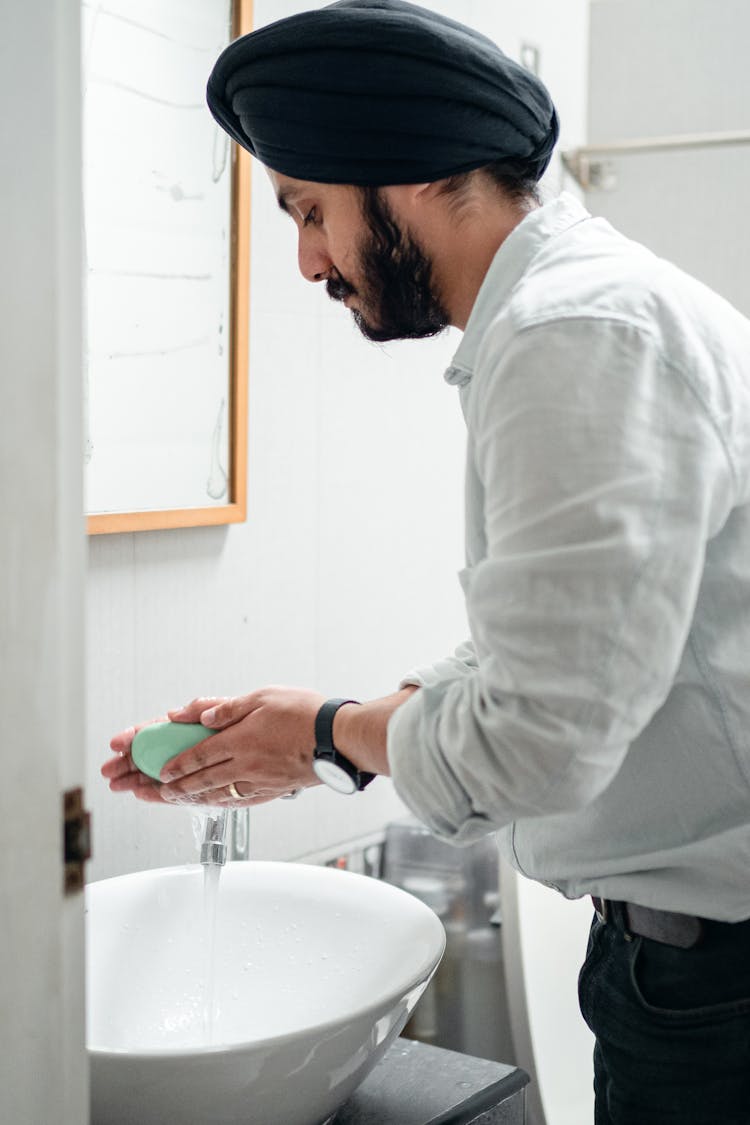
(598, 719)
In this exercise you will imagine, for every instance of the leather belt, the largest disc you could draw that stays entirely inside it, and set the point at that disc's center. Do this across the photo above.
(681, 930)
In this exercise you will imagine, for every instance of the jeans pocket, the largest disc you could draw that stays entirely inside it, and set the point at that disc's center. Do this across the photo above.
(675, 1004)
(592, 959)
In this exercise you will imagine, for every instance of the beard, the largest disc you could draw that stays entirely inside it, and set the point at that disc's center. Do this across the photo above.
(398, 297)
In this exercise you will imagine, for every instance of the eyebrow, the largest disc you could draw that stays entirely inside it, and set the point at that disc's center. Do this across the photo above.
(283, 200)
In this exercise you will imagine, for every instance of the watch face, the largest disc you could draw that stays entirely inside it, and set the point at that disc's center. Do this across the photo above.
(334, 776)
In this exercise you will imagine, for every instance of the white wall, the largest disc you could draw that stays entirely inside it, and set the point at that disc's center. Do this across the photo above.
(690, 59)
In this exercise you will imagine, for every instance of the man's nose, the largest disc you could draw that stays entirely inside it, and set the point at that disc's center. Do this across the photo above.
(314, 262)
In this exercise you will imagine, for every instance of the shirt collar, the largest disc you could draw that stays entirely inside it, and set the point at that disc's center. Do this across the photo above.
(507, 268)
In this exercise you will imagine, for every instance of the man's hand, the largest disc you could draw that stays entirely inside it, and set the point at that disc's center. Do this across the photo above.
(123, 775)
(263, 747)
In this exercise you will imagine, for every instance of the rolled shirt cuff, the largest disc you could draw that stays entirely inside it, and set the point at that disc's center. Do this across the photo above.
(423, 778)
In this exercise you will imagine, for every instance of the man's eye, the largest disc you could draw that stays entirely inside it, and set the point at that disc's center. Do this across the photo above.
(310, 217)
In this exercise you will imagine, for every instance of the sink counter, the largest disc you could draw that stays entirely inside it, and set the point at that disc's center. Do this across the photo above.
(416, 1084)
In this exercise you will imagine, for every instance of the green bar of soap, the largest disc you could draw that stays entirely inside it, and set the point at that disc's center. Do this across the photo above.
(154, 745)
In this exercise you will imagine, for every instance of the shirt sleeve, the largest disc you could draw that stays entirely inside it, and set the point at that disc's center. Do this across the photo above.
(463, 662)
(603, 478)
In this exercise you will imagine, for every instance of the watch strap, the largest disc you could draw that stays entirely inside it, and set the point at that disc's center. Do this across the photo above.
(324, 741)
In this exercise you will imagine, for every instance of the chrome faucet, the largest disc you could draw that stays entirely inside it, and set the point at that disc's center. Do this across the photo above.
(223, 834)
(214, 846)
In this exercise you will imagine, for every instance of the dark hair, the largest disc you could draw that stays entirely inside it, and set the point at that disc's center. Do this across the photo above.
(398, 274)
(518, 187)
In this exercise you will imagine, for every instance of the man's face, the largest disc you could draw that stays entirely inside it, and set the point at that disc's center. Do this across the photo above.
(352, 240)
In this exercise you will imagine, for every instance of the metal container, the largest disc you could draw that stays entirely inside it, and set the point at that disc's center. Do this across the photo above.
(465, 1006)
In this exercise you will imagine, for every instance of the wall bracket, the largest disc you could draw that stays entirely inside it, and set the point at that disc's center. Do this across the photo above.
(592, 173)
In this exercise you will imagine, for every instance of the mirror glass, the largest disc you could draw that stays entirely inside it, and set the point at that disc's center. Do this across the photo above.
(161, 297)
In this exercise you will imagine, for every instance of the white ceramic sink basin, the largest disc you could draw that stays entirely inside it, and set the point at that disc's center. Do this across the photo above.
(315, 973)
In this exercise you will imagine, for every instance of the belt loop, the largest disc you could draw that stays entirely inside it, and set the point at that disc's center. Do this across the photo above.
(627, 933)
(614, 913)
(619, 916)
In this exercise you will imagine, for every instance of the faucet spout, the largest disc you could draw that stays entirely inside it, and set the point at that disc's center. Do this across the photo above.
(214, 846)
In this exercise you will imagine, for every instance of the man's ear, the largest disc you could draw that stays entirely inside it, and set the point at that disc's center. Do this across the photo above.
(410, 200)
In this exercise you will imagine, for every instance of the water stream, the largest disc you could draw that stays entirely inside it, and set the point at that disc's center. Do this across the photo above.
(211, 877)
(215, 832)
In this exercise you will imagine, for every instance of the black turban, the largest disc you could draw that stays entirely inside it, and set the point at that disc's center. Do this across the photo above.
(376, 92)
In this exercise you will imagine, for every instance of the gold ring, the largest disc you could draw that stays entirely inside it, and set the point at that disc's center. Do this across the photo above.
(234, 793)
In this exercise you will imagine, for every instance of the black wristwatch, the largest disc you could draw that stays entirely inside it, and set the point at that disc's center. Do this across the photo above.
(331, 766)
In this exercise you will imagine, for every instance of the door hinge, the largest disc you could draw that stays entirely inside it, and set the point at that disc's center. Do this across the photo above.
(76, 840)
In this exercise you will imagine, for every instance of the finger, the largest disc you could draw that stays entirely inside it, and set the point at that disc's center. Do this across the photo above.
(119, 766)
(149, 793)
(211, 798)
(136, 783)
(203, 756)
(122, 741)
(230, 711)
(223, 797)
(183, 798)
(191, 712)
(216, 775)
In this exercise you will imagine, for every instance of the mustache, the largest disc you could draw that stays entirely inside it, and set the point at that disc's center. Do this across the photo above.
(337, 287)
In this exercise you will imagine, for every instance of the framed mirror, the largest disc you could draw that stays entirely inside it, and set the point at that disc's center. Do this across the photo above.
(167, 217)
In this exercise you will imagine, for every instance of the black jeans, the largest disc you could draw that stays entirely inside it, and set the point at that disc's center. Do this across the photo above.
(672, 1027)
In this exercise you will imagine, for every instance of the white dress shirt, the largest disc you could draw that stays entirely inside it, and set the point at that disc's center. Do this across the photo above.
(600, 715)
